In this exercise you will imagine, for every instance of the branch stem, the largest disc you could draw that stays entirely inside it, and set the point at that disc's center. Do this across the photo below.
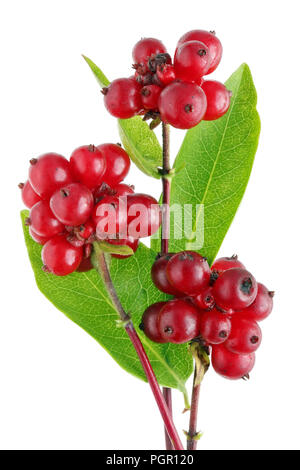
(191, 442)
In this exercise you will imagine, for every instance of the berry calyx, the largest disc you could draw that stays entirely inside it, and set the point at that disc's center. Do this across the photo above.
(150, 95)
(210, 40)
(182, 104)
(188, 272)
(145, 48)
(225, 263)
(48, 173)
(235, 289)
(218, 99)
(230, 365)
(159, 275)
(214, 327)
(29, 196)
(191, 61)
(205, 299)
(43, 222)
(262, 305)
(178, 321)
(117, 163)
(122, 98)
(88, 165)
(60, 257)
(245, 336)
(72, 204)
(149, 324)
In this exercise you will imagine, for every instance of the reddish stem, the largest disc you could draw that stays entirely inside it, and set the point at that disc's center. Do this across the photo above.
(167, 393)
(191, 442)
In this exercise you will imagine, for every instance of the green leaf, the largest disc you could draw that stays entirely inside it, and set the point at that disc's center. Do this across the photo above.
(83, 298)
(138, 139)
(115, 249)
(218, 157)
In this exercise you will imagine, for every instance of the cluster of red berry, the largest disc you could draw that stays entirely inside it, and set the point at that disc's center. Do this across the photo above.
(73, 203)
(174, 92)
(219, 306)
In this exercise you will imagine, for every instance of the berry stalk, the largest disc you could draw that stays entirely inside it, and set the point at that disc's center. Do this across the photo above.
(102, 267)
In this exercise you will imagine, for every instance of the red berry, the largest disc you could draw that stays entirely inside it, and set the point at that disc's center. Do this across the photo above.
(133, 243)
(262, 305)
(223, 264)
(166, 73)
(144, 215)
(86, 230)
(110, 217)
(117, 163)
(48, 173)
(234, 289)
(43, 222)
(60, 257)
(205, 299)
(38, 238)
(122, 98)
(230, 365)
(88, 165)
(245, 336)
(145, 48)
(182, 105)
(72, 204)
(29, 196)
(150, 95)
(122, 189)
(210, 40)
(159, 276)
(178, 321)
(85, 265)
(214, 327)
(191, 61)
(188, 272)
(149, 322)
(218, 99)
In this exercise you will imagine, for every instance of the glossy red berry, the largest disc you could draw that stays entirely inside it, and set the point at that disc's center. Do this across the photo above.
(245, 336)
(150, 95)
(214, 327)
(144, 215)
(43, 222)
(29, 196)
(218, 99)
(88, 165)
(188, 272)
(235, 289)
(262, 305)
(72, 204)
(210, 40)
(48, 173)
(205, 299)
(145, 48)
(149, 324)
(191, 61)
(122, 189)
(110, 217)
(178, 321)
(159, 275)
(230, 365)
(133, 243)
(60, 257)
(166, 73)
(117, 163)
(182, 104)
(86, 230)
(225, 263)
(38, 238)
(122, 98)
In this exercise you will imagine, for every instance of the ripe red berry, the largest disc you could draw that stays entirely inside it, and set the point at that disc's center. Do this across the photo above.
(38, 238)
(245, 336)
(48, 173)
(144, 215)
(122, 189)
(182, 104)
(159, 275)
(122, 98)
(230, 365)
(29, 196)
(145, 48)
(150, 95)
(218, 99)
(86, 230)
(72, 204)
(43, 222)
(88, 165)
(205, 299)
(262, 305)
(117, 163)
(235, 289)
(210, 40)
(214, 327)
(178, 321)
(223, 264)
(85, 265)
(149, 322)
(133, 243)
(188, 272)
(60, 257)
(165, 73)
(191, 61)
(110, 217)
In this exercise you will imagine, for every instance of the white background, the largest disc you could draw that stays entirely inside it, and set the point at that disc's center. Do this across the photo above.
(59, 389)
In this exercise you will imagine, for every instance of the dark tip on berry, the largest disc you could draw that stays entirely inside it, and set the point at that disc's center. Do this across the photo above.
(223, 334)
(168, 330)
(146, 92)
(213, 32)
(254, 339)
(246, 377)
(119, 144)
(214, 276)
(201, 52)
(45, 269)
(271, 293)
(64, 192)
(246, 286)
(21, 185)
(141, 326)
(27, 221)
(104, 90)
(188, 108)
(234, 257)
(92, 148)
(33, 161)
